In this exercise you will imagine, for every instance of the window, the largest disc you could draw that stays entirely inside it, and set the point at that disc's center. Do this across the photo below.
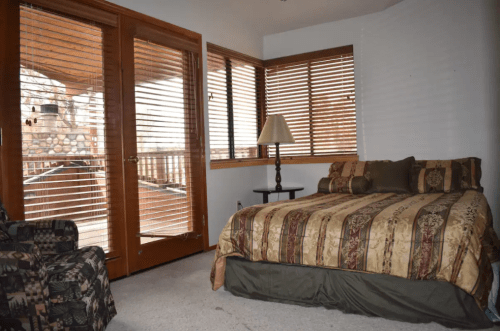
(233, 104)
(315, 94)
(313, 91)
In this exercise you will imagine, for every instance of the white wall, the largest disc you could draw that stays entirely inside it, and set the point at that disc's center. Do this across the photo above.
(225, 186)
(427, 83)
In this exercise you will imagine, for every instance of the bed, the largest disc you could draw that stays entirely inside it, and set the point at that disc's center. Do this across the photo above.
(407, 240)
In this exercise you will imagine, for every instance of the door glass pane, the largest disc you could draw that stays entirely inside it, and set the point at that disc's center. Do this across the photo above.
(162, 104)
(62, 113)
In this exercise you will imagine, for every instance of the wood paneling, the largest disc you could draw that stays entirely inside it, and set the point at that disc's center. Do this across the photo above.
(11, 162)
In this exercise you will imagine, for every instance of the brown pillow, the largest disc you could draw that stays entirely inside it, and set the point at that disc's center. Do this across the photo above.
(353, 185)
(436, 176)
(471, 172)
(389, 176)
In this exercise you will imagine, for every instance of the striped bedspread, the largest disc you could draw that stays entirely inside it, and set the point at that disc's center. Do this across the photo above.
(441, 236)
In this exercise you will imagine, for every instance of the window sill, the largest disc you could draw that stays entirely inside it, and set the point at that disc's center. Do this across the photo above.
(224, 164)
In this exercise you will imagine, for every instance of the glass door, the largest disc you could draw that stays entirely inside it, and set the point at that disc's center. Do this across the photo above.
(71, 150)
(162, 151)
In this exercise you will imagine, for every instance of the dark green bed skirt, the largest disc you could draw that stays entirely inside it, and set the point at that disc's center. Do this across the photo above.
(351, 292)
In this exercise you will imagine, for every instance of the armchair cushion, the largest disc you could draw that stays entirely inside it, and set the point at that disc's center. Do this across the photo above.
(96, 308)
(24, 292)
(4, 234)
(4, 217)
(51, 236)
(71, 274)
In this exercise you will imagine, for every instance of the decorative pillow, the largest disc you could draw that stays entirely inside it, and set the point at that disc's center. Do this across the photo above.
(389, 176)
(347, 169)
(353, 185)
(471, 172)
(436, 176)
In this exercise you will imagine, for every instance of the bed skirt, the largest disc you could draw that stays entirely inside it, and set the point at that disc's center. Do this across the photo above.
(353, 292)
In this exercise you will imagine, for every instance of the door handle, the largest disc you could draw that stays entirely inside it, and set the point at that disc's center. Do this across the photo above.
(133, 159)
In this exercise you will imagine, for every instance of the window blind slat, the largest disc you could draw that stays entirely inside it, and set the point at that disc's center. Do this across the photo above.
(316, 97)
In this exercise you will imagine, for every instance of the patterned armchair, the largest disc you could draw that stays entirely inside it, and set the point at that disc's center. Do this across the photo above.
(46, 282)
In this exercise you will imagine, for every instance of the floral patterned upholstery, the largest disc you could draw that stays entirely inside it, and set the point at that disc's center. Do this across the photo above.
(47, 283)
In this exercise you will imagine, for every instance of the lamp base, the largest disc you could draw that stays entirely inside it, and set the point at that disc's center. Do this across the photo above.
(278, 168)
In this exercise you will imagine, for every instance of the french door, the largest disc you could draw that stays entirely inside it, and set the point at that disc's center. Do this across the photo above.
(162, 146)
(111, 133)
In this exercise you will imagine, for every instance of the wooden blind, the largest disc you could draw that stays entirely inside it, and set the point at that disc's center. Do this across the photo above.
(233, 107)
(167, 133)
(316, 96)
(65, 168)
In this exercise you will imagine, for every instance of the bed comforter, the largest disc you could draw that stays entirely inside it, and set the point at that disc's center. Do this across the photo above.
(442, 236)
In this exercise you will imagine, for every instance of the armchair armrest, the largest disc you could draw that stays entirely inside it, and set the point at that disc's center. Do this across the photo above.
(24, 285)
(51, 236)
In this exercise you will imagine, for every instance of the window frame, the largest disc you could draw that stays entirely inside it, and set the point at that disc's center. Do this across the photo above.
(260, 113)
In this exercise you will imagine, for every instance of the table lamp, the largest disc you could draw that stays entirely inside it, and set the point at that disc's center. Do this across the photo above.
(276, 131)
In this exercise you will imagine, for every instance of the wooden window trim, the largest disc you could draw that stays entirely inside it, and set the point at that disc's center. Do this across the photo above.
(309, 56)
(108, 13)
(212, 48)
(225, 164)
(80, 10)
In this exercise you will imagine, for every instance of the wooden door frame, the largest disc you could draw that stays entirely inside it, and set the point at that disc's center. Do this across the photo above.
(12, 193)
(172, 248)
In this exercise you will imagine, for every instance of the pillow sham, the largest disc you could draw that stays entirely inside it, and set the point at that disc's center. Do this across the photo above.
(353, 185)
(436, 176)
(390, 176)
(471, 172)
(347, 169)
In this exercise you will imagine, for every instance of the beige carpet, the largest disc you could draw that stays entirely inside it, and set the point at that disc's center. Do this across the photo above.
(178, 296)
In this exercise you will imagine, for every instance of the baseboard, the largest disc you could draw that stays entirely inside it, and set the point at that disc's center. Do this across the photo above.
(211, 248)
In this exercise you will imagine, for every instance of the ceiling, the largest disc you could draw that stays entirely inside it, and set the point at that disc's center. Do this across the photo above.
(273, 16)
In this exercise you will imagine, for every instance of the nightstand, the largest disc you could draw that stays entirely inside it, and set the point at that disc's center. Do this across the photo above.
(266, 191)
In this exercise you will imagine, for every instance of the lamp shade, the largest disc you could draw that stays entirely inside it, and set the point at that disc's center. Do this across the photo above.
(275, 131)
